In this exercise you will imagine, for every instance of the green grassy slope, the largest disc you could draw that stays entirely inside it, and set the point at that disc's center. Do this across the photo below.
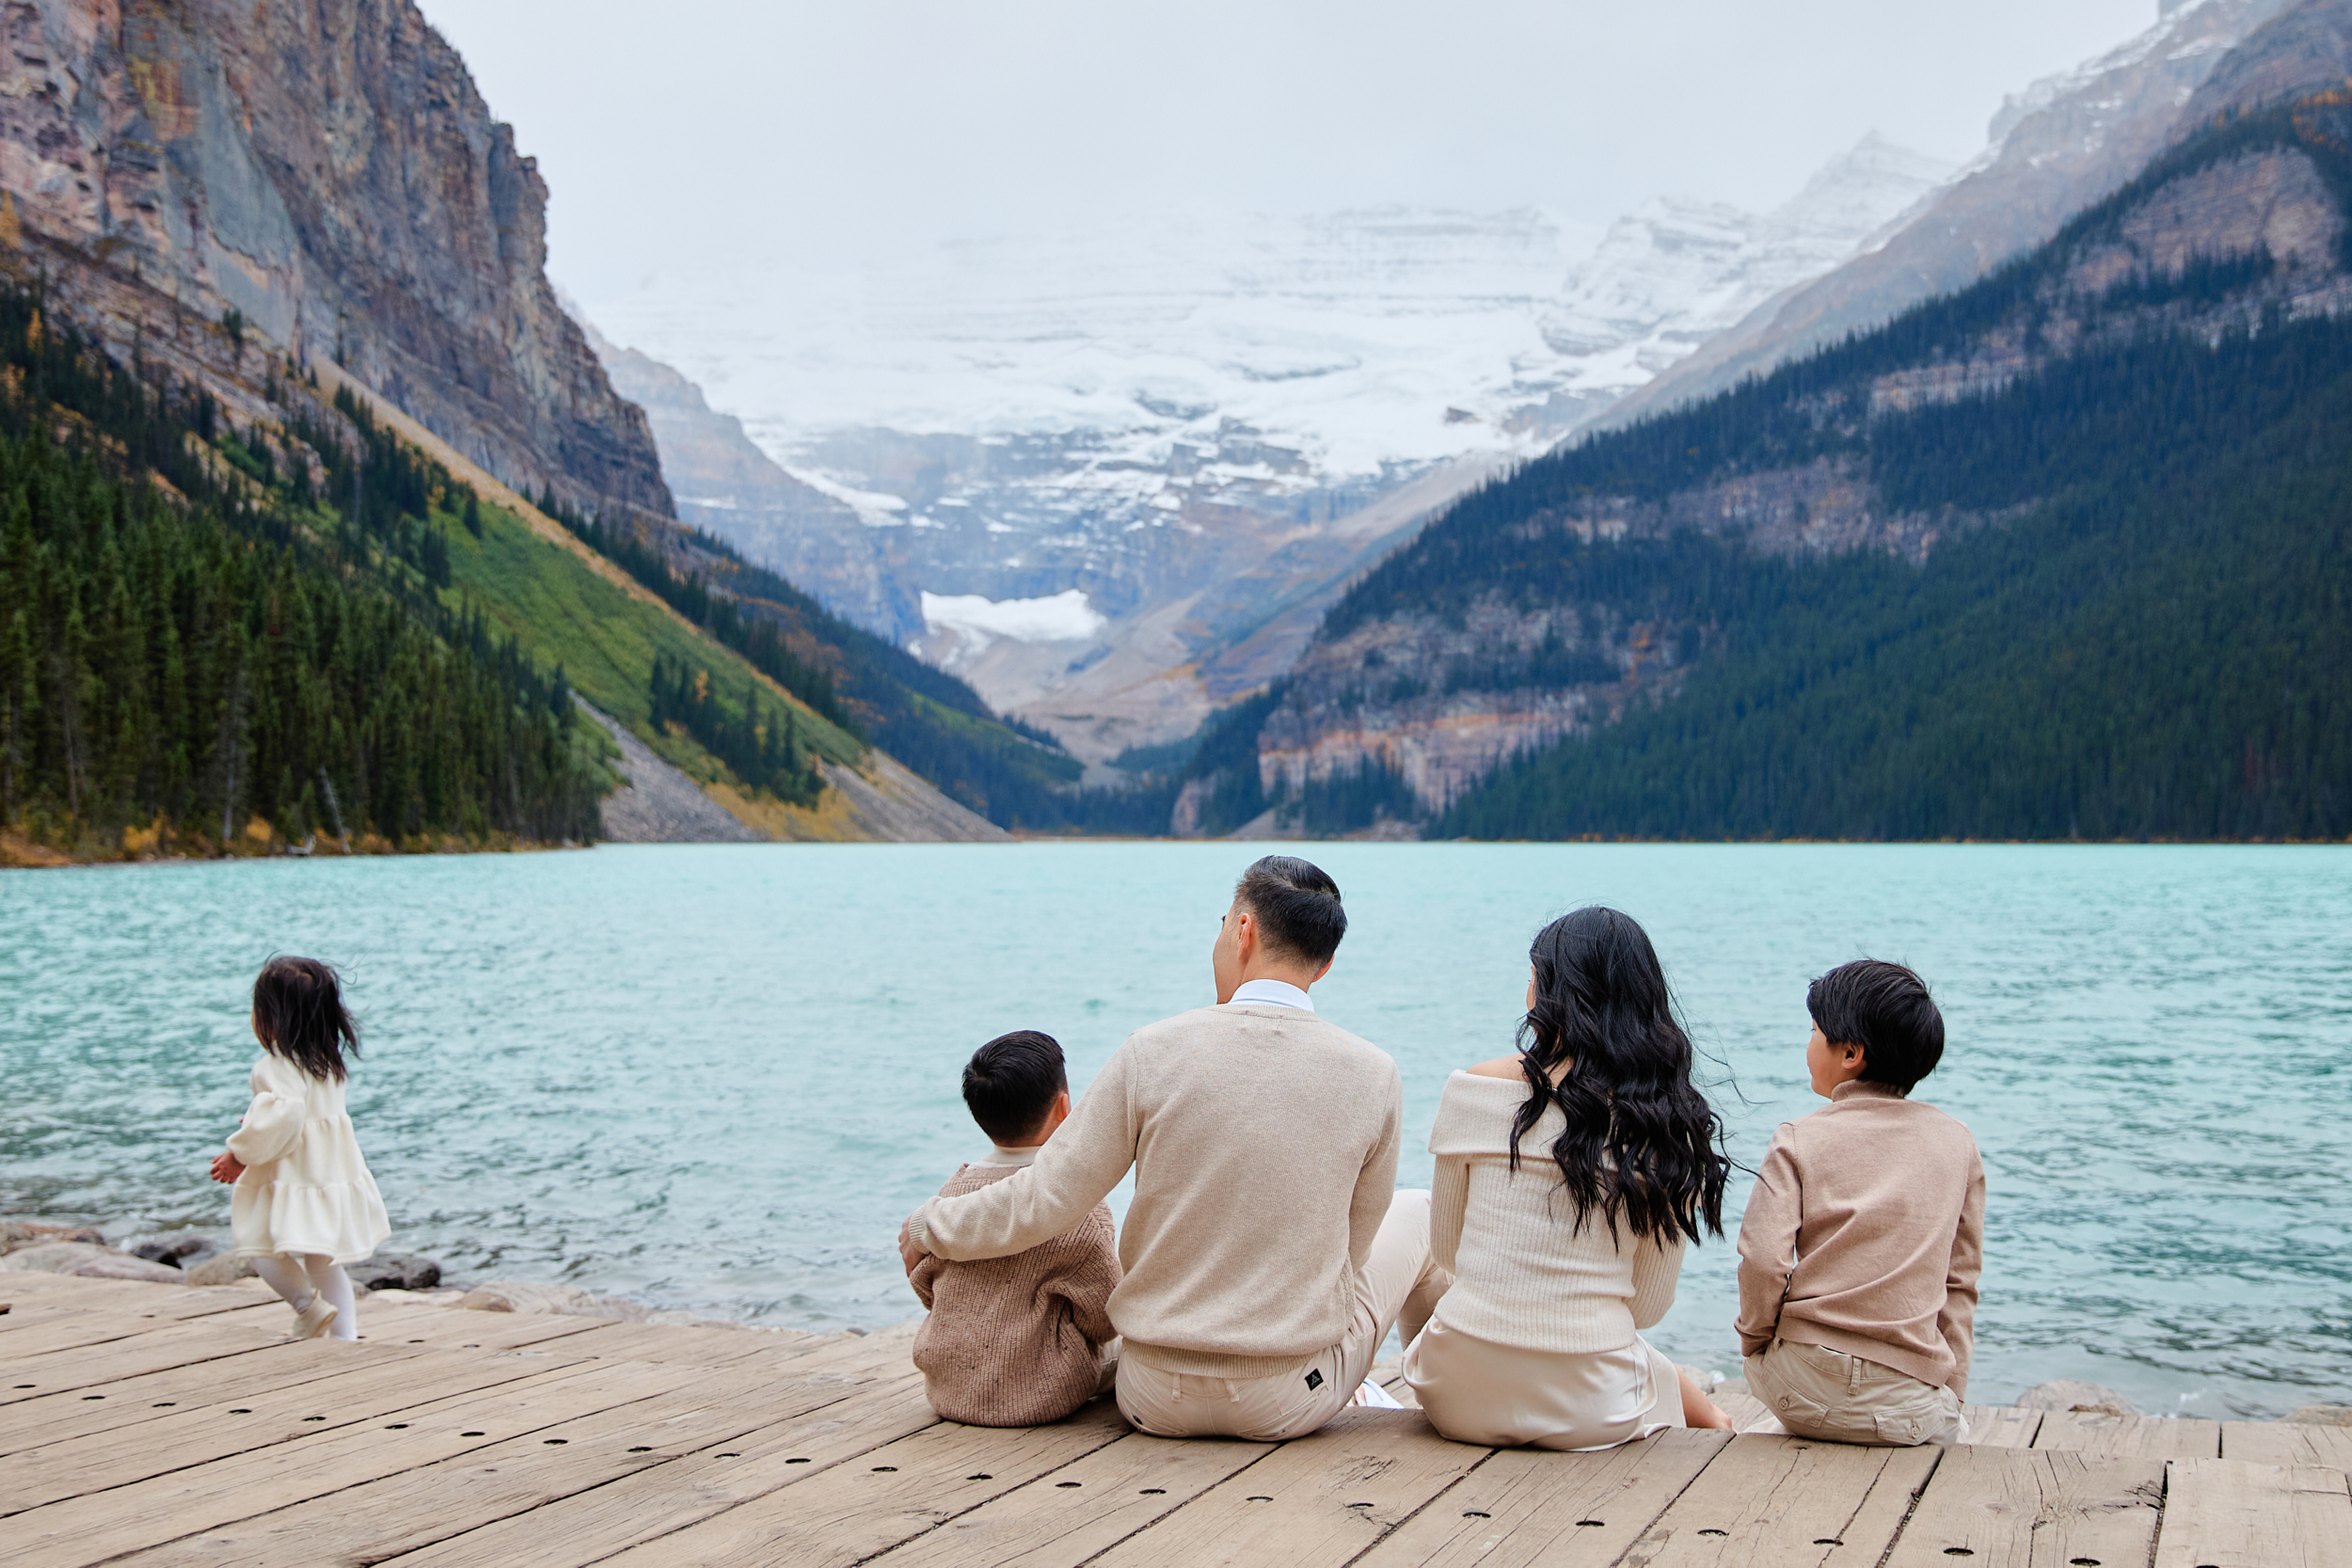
(606, 638)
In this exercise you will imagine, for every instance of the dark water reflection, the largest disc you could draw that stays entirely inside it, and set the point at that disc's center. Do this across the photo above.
(718, 1077)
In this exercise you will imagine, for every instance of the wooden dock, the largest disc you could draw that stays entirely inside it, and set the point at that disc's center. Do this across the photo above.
(153, 1424)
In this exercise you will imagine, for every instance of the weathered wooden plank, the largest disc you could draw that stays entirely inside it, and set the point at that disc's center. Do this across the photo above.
(165, 1344)
(140, 1296)
(1324, 1498)
(451, 1328)
(93, 1528)
(190, 1301)
(701, 1347)
(23, 1319)
(597, 1523)
(1747, 1412)
(1526, 1506)
(2033, 1508)
(2001, 1426)
(881, 1497)
(36, 1331)
(2232, 1513)
(1789, 1500)
(2287, 1443)
(2128, 1436)
(888, 1352)
(1067, 1516)
(506, 1481)
(127, 1402)
(27, 1286)
(1865, 1541)
(253, 1419)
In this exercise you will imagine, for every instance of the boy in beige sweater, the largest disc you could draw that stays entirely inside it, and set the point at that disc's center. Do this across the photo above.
(1020, 1339)
(1862, 1239)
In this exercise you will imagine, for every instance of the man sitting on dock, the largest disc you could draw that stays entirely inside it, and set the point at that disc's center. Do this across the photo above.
(1267, 1253)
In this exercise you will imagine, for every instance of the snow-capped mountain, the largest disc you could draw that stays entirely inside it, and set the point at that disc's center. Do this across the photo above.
(2053, 148)
(1197, 423)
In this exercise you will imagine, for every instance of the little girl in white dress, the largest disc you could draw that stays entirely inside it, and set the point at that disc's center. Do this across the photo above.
(304, 1204)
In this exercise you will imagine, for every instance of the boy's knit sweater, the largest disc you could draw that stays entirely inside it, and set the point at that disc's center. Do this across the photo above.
(1017, 1340)
(1864, 1234)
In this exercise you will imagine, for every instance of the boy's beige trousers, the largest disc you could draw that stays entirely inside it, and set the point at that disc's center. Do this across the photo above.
(1818, 1392)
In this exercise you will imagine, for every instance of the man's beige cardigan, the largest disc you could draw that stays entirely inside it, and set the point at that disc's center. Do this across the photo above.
(1264, 1142)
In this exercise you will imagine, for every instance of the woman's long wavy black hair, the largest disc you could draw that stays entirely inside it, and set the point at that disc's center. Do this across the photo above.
(1642, 1144)
(298, 1011)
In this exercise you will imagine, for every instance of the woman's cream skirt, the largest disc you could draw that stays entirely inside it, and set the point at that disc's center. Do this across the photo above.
(1476, 1391)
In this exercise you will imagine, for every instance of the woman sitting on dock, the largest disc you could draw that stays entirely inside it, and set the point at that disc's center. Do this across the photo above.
(1559, 1262)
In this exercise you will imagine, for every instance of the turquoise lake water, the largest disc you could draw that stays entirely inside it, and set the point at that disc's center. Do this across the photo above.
(718, 1076)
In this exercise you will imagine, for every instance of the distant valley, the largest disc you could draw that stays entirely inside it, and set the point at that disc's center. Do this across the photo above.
(1201, 428)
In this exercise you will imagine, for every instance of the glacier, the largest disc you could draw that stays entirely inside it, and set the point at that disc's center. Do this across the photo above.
(1197, 423)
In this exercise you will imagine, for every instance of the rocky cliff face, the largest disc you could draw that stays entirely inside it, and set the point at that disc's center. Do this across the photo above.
(326, 170)
(2059, 146)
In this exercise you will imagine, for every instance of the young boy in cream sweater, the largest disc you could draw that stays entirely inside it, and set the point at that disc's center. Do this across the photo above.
(1022, 1339)
(1861, 1244)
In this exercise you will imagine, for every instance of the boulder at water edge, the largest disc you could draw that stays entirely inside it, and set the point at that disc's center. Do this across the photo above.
(173, 1251)
(87, 1261)
(524, 1295)
(2067, 1393)
(395, 1270)
(226, 1269)
(2323, 1416)
(24, 1233)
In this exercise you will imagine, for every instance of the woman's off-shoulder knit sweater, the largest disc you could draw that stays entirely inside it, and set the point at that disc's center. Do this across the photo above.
(1525, 1273)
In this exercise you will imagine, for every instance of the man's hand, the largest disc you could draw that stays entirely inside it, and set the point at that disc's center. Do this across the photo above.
(226, 1168)
(909, 1253)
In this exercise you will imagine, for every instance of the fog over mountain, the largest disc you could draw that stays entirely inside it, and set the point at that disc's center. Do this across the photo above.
(1069, 466)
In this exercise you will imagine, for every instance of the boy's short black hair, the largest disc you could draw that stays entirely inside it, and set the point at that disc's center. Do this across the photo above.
(1885, 1009)
(1010, 1084)
(1298, 905)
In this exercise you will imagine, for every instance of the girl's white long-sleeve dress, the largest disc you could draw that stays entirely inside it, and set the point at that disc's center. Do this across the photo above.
(304, 1187)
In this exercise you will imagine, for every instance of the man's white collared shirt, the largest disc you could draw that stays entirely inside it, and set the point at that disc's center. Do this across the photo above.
(1273, 993)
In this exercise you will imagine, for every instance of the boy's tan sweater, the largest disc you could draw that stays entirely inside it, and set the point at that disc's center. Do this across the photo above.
(1264, 1142)
(1016, 1341)
(1864, 1234)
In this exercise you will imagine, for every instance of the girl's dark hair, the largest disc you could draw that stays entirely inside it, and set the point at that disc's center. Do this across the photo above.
(298, 1010)
(1641, 1143)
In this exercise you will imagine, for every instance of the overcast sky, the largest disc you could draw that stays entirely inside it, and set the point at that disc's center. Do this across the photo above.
(838, 128)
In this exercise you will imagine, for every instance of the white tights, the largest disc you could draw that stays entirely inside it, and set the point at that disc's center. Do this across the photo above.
(298, 1276)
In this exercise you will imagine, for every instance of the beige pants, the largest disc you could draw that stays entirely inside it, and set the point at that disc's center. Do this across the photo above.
(1397, 1285)
(1818, 1392)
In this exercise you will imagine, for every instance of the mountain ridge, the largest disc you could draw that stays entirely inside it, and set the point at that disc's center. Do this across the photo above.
(2092, 393)
(1205, 436)
(2054, 149)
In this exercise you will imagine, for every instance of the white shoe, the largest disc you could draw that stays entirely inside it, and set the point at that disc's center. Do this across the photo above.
(1372, 1397)
(315, 1319)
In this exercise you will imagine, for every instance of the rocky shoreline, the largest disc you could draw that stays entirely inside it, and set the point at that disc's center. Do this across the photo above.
(202, 1259)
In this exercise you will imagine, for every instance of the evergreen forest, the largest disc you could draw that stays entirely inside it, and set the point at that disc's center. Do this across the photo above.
(194, 655)
(2136, 626)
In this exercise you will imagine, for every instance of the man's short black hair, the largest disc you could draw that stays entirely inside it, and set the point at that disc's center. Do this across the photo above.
(1010, 1084)
(1885, 1009)
(1297, 907)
